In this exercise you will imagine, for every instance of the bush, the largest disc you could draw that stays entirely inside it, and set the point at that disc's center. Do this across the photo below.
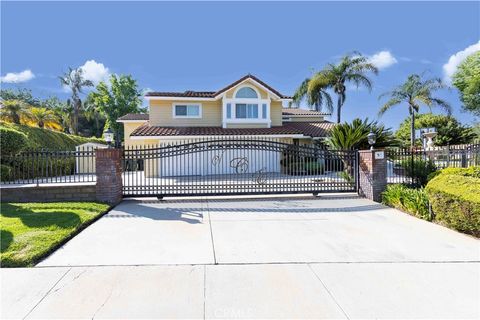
(38, 138)
(412, 201)
(418, 169)
(12, 141)
(5, 172)
(454, 195)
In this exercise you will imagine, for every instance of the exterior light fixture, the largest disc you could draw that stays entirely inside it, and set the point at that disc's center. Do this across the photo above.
(372, 137)
(108, 135)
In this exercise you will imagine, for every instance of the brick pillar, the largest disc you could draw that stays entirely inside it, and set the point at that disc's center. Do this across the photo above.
(372, 174)
(109, 175)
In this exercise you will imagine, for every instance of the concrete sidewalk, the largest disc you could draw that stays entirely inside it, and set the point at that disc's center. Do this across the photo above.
(298, 257)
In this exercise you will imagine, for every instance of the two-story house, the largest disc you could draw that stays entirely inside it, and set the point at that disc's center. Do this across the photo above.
(247, 108)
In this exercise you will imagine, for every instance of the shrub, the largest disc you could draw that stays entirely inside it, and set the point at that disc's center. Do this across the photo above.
(418, 169)
(454, 195)
(412, 201)
(38, 138)
(5, 172)
(12, 141)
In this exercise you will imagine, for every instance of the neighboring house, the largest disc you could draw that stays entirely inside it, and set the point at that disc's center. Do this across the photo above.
(247, 108)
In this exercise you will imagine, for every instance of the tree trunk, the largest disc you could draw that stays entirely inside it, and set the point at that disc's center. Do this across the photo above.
(339, 108)
(16, 118)
(76, 109)
(412, 127)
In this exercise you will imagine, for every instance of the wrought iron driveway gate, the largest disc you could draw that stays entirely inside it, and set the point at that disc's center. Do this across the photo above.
(236, 166)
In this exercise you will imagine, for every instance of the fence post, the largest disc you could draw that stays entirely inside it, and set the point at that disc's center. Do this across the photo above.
(372, 173)
(108, 168)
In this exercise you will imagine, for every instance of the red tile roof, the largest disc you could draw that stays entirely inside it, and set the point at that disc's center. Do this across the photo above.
(212, 94)
(135, 116)
(312, 129)
(302, 112)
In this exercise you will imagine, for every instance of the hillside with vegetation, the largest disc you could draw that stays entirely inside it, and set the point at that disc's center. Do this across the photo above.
(17, 137)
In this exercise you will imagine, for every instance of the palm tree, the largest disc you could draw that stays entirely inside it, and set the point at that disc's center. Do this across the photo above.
(75, 81)
(414, 92)
(14, 110)
(351, 68)
(44, 118)
(92, 113)
(317, 99)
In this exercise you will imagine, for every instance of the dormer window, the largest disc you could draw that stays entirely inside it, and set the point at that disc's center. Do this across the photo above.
(246, 106)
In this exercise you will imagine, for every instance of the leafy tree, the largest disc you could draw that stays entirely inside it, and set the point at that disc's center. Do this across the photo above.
(351, 69)
(23, 95)
(75, 81)
(14, 111)
(93, 114)
(467, 81)
(449, 129)
(116, 100)
(414, 92)
(350, 136)
(43, 118)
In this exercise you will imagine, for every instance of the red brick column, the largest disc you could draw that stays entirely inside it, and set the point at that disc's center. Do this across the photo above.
(372, 174)
(108, 165)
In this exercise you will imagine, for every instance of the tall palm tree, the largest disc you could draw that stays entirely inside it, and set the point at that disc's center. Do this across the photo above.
(44, 118)
(14, 111)
(414, 92)
(75, 81)
(352, 68)
(318, 98)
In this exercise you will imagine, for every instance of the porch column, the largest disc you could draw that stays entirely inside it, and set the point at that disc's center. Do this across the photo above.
(109, 175)
(372, 174)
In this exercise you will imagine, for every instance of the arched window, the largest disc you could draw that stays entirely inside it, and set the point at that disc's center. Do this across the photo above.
(246, 92)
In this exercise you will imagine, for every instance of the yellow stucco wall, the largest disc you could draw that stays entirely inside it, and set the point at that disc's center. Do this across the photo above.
(263, 93)
(161, 114)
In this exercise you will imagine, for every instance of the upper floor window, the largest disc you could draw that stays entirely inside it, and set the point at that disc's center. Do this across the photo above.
(187, 111)
(246, 92)
(246, 111)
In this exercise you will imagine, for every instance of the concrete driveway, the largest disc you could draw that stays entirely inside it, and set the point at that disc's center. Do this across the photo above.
(334, 256)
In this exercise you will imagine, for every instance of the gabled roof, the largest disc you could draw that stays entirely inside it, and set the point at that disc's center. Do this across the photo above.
(216, 94)
(303, 112)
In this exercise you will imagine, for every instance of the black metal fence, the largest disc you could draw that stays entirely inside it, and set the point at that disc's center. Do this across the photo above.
(412, 166)
(236, 166)
(43, 167)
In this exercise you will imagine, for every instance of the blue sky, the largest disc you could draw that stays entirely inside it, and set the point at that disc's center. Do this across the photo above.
(205, 46)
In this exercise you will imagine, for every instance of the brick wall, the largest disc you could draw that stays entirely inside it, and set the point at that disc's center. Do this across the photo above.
(48, 193)
(109, 175)
(372, 174)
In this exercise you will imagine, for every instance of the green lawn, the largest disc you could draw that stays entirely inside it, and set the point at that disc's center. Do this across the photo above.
(29, 231)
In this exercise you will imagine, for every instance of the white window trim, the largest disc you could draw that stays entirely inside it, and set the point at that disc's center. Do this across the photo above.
(174, 105)
(234, 96)
(234, 101)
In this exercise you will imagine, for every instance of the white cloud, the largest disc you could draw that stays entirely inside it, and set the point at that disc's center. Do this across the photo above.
(17, 77)
(450, 67)
(383, 59)
(95, 71)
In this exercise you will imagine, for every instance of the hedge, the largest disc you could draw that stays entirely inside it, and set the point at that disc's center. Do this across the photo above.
(38, 138)
(12, 141)
(410, 200)
(454, 195)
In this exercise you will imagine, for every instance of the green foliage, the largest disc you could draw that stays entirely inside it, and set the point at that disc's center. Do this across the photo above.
(467, 81)
(418, 169)
(12, 141)
(449, 130)
(412, 201)
(352, 68)
(30, 231)
(23, 95)
(5, 172)
(122, 96)
(455, 199)
(413, 93)
(350, 136)
(38, 138)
